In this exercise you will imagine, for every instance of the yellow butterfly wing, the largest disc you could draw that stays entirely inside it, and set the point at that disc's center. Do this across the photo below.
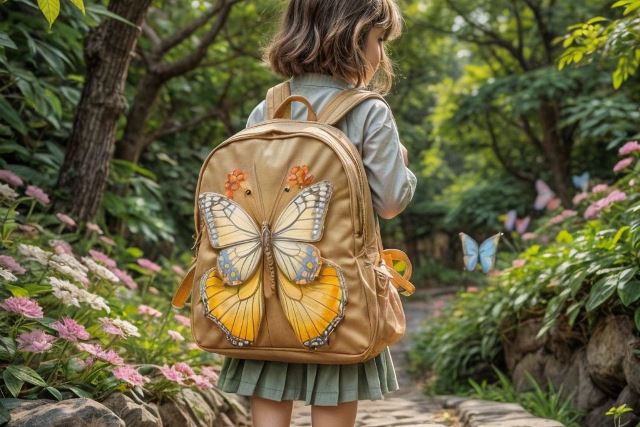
(230, 227)
(237, 310)
(314, 309)
(303, 218)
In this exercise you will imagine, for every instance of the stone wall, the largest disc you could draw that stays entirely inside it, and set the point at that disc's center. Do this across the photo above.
(596, 369)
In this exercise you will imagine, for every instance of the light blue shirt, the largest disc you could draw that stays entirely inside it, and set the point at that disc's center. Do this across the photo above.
(372, 128)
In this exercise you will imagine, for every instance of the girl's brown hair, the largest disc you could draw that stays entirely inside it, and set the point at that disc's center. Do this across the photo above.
(328, 37)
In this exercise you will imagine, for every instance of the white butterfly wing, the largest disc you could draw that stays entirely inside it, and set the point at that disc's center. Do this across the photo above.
(303, 218)
(231, 229)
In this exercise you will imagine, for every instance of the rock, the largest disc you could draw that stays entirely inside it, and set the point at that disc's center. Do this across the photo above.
(133, 414)
(532, 363)
(631, 365)
(632, 400)
(556, 371)
(597, 418)
(606, 350)
(587, 394)
(563, 340)
(187, 409)
(67, 413)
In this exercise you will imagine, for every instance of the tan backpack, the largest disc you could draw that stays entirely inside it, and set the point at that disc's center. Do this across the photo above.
(291, 267)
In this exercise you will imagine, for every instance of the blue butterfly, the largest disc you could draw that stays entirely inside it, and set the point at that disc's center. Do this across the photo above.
(486, 253)
(581, 181)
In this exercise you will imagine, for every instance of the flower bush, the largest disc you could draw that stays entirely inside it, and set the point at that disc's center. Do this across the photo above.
(82, 316)
(579, 262)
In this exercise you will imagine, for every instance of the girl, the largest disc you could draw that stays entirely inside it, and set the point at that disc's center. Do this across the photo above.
(326, 46)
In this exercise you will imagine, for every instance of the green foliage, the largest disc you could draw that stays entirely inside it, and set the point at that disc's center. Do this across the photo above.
(574, 268)
(616, 40)
(547, 403)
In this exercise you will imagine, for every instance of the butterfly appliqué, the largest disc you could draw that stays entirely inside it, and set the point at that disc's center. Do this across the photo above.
(312, 290)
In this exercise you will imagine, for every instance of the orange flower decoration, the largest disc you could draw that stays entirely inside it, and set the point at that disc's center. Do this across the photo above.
(299, 175)
(234, 181)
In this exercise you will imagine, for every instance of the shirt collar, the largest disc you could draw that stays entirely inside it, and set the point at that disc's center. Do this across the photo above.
(317, 79)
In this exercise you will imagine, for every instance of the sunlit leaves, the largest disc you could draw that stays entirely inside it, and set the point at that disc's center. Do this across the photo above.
(51, 9)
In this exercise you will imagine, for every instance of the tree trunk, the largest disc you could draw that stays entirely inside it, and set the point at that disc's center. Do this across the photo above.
(108, 50)
(555, 151)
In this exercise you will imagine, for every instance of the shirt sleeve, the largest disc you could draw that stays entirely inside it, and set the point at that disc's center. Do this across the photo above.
(392, 183)
(257, 115)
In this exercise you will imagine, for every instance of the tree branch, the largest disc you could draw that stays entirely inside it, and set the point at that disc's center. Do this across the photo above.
(183, 33)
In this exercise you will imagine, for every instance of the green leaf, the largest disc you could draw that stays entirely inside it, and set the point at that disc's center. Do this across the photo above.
(6, 41)
(629, 292)
(601, 291)
(77, 391)
(17, 291)
(5, 416)
(13, 384)
(618, 235)
(50, 9)
(637, 318)
(11, 116)
(27, 375)
(55, 392)
(7, 348)
(101, 10)
(80, 5)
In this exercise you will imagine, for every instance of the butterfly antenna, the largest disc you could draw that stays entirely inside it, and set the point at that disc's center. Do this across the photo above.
(255, 174)
(278, 197)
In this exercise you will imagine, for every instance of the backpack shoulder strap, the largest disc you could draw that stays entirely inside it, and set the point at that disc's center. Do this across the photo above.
(343, 102)
(275, 96)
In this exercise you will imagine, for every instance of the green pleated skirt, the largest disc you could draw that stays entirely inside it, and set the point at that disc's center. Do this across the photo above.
(316, 384)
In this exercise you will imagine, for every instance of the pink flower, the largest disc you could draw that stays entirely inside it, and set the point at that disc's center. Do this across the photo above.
(579, 198)
(210, 373)
(38, 194)
(103, 258)
(202, 382)
(554, 204)
(184, 369)
(125, 278)
(149, 311)
(108, 240)
(66, 219)
(628, 148)
(178, 270)
(193, 346)
(96, 350)
(528, 236)
(10, 178)
(70, 330)
(129, 374)
(61, 246)
(24, 306)
(616, 196)
(517, 263)
(182, 320)
(94, 227)
(110, 328)
(472, 289)
(172, 375)
(600, 188)
(175, 335)
(623, 164)
(35, 342)
(149, 265)
(567, 213)
(12, 264)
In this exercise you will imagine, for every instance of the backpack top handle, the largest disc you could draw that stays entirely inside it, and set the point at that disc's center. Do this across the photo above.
(284, 110)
